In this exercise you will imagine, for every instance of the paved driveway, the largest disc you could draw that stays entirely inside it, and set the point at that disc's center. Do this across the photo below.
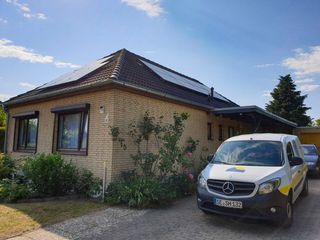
(184, 221)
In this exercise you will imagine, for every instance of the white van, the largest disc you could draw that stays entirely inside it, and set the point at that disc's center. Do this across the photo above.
(256, 176)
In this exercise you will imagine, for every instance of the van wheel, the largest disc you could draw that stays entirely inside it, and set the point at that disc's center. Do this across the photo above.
(287, 218)
(305, 190)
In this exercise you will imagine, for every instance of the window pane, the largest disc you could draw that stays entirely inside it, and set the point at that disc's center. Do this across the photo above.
(85, 132)
(21, 133)
(32, 133)
(68, 135)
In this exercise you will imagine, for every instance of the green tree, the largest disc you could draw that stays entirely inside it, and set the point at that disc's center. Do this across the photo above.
(2, 117)
(317, 122)
(288, 103)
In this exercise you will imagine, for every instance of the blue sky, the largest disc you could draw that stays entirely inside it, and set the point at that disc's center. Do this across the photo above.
(238, 47)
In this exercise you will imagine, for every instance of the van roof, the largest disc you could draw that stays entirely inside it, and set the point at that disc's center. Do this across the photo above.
(262, 136)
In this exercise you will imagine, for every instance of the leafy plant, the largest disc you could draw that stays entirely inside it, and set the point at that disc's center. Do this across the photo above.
(138, 191)
(7, 166)
(50, 175)
(11, 191)
(87, 185)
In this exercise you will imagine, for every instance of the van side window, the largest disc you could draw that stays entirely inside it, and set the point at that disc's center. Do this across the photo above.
(290, 152)
(295, 148)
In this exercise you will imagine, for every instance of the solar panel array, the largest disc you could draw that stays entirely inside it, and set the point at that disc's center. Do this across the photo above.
(77, 74)
(182, 81)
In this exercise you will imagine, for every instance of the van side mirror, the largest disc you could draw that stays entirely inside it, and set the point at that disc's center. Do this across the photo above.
(209, 158)
(296, 161)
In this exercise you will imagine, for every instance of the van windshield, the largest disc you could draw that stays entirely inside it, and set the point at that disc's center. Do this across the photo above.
(249, 153)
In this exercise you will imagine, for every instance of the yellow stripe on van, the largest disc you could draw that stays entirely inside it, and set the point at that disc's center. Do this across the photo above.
(239, 168)
(285, 189)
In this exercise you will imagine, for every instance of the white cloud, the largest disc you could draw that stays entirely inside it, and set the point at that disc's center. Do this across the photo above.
(27, 85)
(65, 64)
(24, 9)
(151, 7)
(304, 62)
(265, 65)
(308, 87)
(9, 50)
(266, 93)
(2, 20)
(4, 97)
(304, 81)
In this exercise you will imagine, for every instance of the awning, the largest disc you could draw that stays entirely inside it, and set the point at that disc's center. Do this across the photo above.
(256, 115)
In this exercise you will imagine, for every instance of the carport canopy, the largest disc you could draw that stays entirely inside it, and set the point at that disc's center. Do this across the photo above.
(260, 119)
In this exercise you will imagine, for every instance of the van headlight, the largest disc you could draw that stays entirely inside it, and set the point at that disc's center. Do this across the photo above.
(202, 181)
(269, 186)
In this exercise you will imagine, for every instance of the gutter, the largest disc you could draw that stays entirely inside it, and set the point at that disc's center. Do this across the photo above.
(78, 89)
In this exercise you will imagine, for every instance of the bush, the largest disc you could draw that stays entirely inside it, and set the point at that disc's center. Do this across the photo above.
(11, 191)
(182, 184)
(2, 136)
(138, 191)
(50, 175)
(87, 185)
(7, 166)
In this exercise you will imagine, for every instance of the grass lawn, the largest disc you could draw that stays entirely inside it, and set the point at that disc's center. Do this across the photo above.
(21, 217)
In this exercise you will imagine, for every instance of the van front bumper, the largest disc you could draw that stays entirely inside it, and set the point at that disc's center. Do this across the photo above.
(256, 207)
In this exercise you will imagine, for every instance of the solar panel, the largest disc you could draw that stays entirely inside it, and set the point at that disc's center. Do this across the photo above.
(182, 81)
(77, 74)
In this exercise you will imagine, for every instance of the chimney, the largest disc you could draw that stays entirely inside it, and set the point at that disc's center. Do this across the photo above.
(212, 92)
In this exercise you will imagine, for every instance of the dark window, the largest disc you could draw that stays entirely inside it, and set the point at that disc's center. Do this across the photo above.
(26, 133)
(72, 129)
(231, 132)
(220, 133)
(209, 131)
(290, 152)
(309, 150)
(249, 153)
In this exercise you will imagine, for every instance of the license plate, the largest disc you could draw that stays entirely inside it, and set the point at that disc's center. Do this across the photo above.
(227, 203)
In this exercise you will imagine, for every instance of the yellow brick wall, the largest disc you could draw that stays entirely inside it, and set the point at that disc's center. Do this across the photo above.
(121, 107)
(100, 143)
(130, 106)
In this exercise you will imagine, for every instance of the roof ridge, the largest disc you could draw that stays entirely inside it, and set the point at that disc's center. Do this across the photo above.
(117, 69)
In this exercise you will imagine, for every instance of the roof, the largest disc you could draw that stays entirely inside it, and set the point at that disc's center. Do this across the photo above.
(129, 70)
(261, 137)
(234, 111)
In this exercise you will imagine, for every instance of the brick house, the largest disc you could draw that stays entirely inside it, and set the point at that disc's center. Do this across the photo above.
(72, 114)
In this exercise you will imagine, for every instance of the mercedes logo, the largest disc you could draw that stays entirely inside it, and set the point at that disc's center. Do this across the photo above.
(228, 188)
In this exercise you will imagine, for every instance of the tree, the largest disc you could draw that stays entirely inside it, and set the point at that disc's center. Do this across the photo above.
(288, 102)
(2, 117)
(317, 122)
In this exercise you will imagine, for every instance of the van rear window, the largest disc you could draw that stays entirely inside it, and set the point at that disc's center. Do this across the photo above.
(250, 153)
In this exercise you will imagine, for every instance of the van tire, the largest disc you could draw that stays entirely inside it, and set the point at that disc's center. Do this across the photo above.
(305, 190)
(287, 218)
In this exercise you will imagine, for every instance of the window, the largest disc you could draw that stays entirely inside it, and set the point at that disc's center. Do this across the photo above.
(249, 153)
(26, 132)
(209, 131)
(231, 132)
(220, 133)
(72, 129)
(290, 153)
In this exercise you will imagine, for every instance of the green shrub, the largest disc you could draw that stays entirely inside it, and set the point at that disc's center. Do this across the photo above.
(50, 175)
(87, 185)
(138, 191)
(182, 184)
(11, 191)
(7, 166)
(2, 136)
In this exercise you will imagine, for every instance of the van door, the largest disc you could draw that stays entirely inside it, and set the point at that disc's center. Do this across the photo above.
(296, 172)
